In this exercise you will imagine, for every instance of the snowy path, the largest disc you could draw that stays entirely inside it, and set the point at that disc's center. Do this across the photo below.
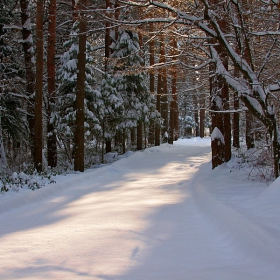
(148, 216)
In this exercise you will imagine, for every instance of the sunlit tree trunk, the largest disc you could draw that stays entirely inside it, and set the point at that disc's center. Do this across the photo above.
(51, 140)
(38, 145)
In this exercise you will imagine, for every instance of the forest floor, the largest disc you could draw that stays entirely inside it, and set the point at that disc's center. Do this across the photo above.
(159, 214)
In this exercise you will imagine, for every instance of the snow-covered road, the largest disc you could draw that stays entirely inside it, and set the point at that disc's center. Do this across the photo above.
(158, 214)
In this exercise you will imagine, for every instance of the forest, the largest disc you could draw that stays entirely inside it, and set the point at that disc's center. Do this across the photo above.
(82, 79)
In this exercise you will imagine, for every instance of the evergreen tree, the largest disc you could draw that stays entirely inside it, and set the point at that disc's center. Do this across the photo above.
(64, 113)
(12, 117)
(186, 115)
(110, 106)
(131, 82)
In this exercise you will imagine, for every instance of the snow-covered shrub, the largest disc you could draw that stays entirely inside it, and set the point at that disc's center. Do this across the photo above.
(256, 163)
(15, 181)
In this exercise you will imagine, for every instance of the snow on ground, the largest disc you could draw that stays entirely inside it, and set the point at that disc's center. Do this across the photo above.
(161, 214)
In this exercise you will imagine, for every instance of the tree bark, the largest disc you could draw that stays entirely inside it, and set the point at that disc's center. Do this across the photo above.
(3, 160)
(157, 126)
(132, 136)
(51, 140)
(151, 137)
(250, 143)
(221, 145)
(196, 105)
(107, 38)
(38, 145)
(164, 93)
(108, 142)
(227, 123)
(201, 118)
(236, 142)
(173, 104)
(139, 136)
(123, 142)
(217, 141)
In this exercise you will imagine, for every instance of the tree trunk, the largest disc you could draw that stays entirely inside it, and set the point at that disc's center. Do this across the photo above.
(160, 91)
(151, 137)
(176, 118)
(107, 38)
(51, 141)
(108, 144)
(139, 136)
(236, 142)
(217, 135)
(29, 69)
(276, 147)
(227, 124)
(118, 138)
(221, 135)
(157, 126)
(132, 136)
(173, 107)
(38, 145)
(3, 160)
(171, 122)
(75, 10)
(250, 143)
(123, 142)
(201, 119)
(196, 105)
(164, 93)
(80, 94)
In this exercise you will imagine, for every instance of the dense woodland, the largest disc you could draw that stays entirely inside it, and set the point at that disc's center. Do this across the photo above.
(83, 78)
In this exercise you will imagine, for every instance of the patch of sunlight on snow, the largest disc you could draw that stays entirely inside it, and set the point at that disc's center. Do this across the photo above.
(115, 239)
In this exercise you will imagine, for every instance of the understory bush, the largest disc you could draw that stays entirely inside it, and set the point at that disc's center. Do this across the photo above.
(255, 163)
